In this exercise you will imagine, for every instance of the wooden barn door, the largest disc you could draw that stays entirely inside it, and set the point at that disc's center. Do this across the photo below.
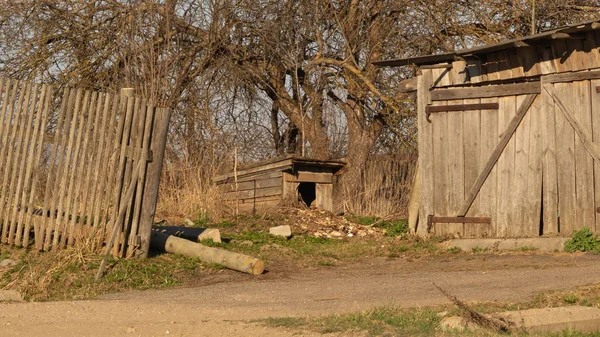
(572, 160)
(487, 165)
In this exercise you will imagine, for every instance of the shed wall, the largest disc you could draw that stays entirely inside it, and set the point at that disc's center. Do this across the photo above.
(545, 182)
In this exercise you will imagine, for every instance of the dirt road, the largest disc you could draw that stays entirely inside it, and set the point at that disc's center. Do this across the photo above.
(220, 305)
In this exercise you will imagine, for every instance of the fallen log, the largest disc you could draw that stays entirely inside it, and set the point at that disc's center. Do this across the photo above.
(172, 244)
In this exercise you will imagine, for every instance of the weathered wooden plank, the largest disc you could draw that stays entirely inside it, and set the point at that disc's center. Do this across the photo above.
(313, 177)
(516, 65)
(439, 166)
(546, 61)
(475, 70)
(576, 58)
(507, 134)
(506, 166)
(5, 124)
(571, 77)
(458, 73)
(472, 157)
(520, 222)
(133, 155)
(65, 170)
(584, 163)
(121, 171)
(249, 194)
(27, 150)
(108, 157)
(241, 173)
(491, 67)
(529, 60)
(19, 160)
(462, 107)
(84, 134)
(86, 204)
(533, 197)
(7, 149)
(277, 173)
(595, 101)
(549, 167)
(324, 194)
(445, 192)
(157, 145)
(14, 153)
(589, 46)
(560, 55)
(250, 185)
(565, 156)
(145, 149)
(43, 236)
(488, 192)
(290, 189)
(73, 153)
(458, 219)
(486, 91)
(426, 142)
(41, 127)
(504, 67)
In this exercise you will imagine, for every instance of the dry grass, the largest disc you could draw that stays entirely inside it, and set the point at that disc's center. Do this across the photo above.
(187, 191)
(383, 190)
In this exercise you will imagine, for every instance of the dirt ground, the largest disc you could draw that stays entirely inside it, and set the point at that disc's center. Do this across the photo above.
(225, 304)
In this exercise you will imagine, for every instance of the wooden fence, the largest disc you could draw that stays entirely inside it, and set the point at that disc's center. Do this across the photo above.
(78, 166)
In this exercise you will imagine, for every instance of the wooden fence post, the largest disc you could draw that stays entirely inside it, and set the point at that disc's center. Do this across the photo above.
(160, 129)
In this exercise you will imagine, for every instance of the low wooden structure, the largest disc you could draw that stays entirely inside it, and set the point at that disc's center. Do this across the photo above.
(509, 136)
(280, 182)
(78, 167)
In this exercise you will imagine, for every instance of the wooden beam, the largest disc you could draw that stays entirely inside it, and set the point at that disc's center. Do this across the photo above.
(592, 148)
(437, 66)
(457, 219)
(486, 91)
(510, 130)
(558, 36)
(570, 77)
(461, 107)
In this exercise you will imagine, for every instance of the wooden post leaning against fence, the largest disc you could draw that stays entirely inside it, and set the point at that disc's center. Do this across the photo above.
(160, 128)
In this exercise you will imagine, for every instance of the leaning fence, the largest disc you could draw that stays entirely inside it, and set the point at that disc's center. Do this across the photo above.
(78, 166)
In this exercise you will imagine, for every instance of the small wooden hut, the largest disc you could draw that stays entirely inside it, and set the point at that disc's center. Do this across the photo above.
(278, 182)
(509, 136)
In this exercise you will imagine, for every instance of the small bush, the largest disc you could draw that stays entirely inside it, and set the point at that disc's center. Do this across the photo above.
(582, 241)
(479, 250)
(454, 250)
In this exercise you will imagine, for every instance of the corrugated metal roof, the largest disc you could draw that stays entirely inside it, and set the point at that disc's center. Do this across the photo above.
(514, 43)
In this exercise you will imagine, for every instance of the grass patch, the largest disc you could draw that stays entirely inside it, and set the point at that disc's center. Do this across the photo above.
(383, 321)
(479, 250)
(454, 250)
(69, 274)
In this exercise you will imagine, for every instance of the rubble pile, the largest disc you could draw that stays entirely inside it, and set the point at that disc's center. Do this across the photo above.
(323, 224)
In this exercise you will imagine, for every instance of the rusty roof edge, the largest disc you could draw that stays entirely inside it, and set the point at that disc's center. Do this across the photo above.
(452, 56)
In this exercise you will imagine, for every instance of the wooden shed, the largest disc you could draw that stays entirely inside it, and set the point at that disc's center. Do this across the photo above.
(278, 182)
(509, 136)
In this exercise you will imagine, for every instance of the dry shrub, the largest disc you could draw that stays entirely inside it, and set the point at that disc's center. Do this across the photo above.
(187, 191)
(383, 188)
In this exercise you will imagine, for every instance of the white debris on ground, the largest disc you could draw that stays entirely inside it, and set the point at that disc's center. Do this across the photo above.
(323, 224)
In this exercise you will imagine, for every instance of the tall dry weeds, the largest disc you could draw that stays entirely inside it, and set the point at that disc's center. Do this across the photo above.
(383, 189)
